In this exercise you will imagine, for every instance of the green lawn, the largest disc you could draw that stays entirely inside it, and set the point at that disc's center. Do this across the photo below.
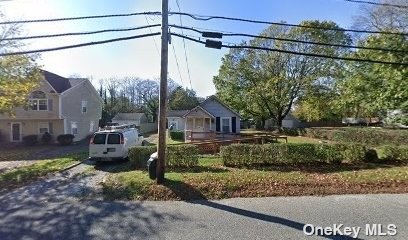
(19, 176)
(211, 180)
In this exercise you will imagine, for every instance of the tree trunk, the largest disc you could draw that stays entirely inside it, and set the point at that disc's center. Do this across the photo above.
(279, 121)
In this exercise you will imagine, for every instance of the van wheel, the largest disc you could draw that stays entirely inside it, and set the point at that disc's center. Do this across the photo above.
(125, 159)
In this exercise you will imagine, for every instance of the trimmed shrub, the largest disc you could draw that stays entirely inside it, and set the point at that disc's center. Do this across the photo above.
(182, 156)
(176, 156)
(351, 153)
(30, 140)
(396, 153)
(177, 135)
(368, 136)
(139, 155)
(289, 131)
(238, 155)
(329, 152)
(65, 139)
(46, 138)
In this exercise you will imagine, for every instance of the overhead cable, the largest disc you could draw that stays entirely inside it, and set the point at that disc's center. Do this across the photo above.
(208, 18)
(378, 4)
(80, 33)
(291, 40)
(78, 45)
(79, 18)
(293, 52)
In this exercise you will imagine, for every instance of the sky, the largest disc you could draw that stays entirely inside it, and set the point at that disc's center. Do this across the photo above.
(140, 57)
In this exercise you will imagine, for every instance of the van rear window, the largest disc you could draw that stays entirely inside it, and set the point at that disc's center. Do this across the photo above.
(99, 139)
(113, 139)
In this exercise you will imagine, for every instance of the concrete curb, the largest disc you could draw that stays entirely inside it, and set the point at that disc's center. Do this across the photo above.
(70, 167)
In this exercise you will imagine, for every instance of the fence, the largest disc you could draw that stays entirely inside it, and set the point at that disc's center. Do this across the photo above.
(213, 146)
(148, 127)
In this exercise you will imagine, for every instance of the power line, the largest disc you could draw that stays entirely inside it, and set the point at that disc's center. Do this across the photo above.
(293, 52)
(79, 45)
(80, 33)
(155, 43)
(184, 45)
(378, 4)
(177, 63)
(291, 40)
(208, 18)
(201, 18)
(80, 18)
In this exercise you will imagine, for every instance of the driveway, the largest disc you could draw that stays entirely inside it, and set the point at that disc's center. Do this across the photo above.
(17, 156)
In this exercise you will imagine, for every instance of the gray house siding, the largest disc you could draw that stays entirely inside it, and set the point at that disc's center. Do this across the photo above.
(180, 122)
(71, 105)
(220, 111)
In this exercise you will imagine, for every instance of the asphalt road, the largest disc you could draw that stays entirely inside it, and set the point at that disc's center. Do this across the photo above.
(27, 215)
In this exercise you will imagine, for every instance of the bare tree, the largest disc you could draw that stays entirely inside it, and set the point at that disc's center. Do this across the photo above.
(383, 18)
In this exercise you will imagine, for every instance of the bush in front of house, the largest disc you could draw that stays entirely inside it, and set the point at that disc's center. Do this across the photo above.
(177, 135)
(239, 155)
(352, 153)
(320, 133)
(46, 138)
(139, 155)
(368, 136)
(182, 156)
(396, 153)
(30, 140)
(178, 156)
(65, 139)
(289, 131)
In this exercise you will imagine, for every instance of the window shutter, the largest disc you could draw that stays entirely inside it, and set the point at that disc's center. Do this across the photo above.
(49, 104)
(234, 124)
(218, 124)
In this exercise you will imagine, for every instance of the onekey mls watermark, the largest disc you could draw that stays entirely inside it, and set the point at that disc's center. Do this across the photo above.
(369, 230)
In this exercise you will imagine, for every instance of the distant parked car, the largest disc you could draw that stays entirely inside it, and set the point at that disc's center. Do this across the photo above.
(114, 144)
(353, 121)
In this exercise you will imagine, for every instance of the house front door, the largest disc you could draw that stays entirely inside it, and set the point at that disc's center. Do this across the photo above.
(15, 132)
(173, 123)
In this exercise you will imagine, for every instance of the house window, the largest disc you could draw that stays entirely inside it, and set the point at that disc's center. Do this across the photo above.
(199, 123)
(226, 124)
(38, 101)
(74, 128)
(43, 127)
(84, 106)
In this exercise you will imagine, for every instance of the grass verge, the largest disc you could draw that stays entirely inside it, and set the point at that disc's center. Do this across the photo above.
(210, 180)
(23, 175)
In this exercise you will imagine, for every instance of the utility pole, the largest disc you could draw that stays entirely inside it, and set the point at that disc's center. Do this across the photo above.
(161, 148)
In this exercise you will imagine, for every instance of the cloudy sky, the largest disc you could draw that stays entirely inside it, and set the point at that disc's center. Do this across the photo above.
(140, 57)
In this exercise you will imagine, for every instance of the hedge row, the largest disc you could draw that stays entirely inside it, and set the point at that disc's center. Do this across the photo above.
(366, 136)
(46, 138)
(176, 156)
(399, 153)
(177, 135)
(239, 155)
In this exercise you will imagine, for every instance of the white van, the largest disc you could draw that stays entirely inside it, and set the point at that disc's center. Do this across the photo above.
(114, 143)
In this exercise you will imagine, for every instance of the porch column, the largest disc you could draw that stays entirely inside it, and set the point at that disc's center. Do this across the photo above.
(210, 125)
(185, 130)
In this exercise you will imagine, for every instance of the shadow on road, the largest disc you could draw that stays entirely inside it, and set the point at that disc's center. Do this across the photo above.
(263, 217)
(187, 192)
(51, 214)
